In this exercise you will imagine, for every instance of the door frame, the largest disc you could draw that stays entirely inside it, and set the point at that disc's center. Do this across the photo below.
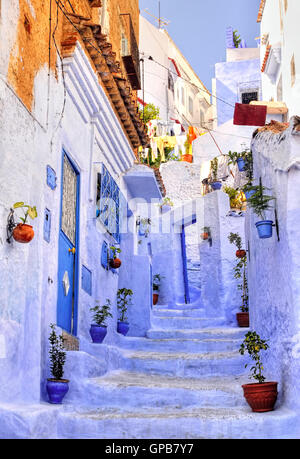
(77, 238)
(184, 259)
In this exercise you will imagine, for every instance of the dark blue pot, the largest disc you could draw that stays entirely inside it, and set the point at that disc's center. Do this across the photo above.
(248, 194)
(264, 228)
(98, 333)
(123, 328)
(216, 185)
(241, 164)
(57, 390)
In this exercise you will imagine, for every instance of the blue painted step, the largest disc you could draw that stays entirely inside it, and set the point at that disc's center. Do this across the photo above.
(179, 323)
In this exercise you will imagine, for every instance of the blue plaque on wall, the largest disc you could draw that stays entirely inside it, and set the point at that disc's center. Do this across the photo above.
(47, 225)
(104, 255)
(86, 280)
(51, 178)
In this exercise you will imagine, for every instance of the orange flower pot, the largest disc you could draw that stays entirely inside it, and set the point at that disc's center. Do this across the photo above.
(240, 253)
(188, 158)
(23, 233)
(155, 298)
(261, 396)
(115, 263)
(243, 319)
(204, 236)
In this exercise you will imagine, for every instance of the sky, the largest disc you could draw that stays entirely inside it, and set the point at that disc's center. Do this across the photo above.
(198, 27)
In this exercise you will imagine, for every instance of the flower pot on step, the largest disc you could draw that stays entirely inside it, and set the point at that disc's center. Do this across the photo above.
(155, 298)
(216, 185)
(23, 233)
(188, 158)
(240, 253)
(264, 228)
(57, 389)
(122, 328)
(261, 396)
(98, 333)
(241, 164)
(242, 319)
(115, 263)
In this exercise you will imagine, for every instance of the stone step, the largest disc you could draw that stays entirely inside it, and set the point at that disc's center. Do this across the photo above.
(193, 312)
(198, 423)
(179, 323)
(177, 306)
(185, 365)
(137, 390)
(80, 364)
(183, 345)
(205, 333)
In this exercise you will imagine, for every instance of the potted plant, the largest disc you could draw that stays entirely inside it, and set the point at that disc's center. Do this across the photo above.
(243, 159)
(123, 301)
(260, 203)
(214, 182)
(156, 284)
(144, 226)
(248, 190)
(115, 262)
(23, 232)
(235, 238)
(98, 328)
(57, 387)
(166, 205)
(206, 233)
(234, 196)
(261, 396)
(240, 273)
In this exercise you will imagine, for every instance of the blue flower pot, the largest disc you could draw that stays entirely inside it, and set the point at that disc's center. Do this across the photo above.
(123, 328)
(57, 389)
(241, 164)
(264, 228)
(98, 333)
(216, 185)
(248, 194)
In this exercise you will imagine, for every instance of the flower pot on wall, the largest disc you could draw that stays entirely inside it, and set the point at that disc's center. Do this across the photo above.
(240, 253)
(261, 396)
(242, 319)
(204, 236)
(248, 194)
(23, 233)
(155, 298)
(216, 185)
(98, 333)
(57, 389)
(115, 263)
(241, 164)
(187, 158)
(122, 328)
(264, 228)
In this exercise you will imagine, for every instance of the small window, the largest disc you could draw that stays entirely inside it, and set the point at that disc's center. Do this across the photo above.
(182, 96)
(293, 71)
(191, 105)
(247, 97)
(107, 201)
(170, 82)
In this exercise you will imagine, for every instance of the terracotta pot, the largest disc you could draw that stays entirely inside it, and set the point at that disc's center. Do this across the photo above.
(204, 236)
(261, 396)
(23, 233)
(240, 253)
(243, 319)
(155, 298)
(188, 158)
(115, 263)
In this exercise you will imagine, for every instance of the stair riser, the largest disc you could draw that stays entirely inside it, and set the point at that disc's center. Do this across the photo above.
(174, 323)
(184, 346)
(178, 334)
(176, 313)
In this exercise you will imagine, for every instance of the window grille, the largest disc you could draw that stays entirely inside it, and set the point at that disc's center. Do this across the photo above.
(247, 97)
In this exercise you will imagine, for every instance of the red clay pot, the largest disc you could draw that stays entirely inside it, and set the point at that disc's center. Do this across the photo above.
(115, 263)
(188, 158)
(261, 396)
(240, 253)
(204, 236)
(155, 298)
(23, 233)
(243, 319)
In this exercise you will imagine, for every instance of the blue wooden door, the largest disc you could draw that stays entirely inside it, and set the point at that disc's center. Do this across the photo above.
(184, 264)
(68, 249)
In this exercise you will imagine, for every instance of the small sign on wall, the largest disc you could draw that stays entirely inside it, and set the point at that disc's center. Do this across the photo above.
(51, 178)
(47, 225)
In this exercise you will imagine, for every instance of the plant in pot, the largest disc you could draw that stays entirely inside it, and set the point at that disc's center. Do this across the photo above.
(166, 205)
(124, 296)
(57, 387)
(261, 396)
(248, 190)
(242, 159)
(235, 238)
(234, 196)
(98, 328)
(240, 273)
(260, 203)
(115, 262)
(144, 226)
(214, 182)
(206, 233)
(23, 232)
(156, 285)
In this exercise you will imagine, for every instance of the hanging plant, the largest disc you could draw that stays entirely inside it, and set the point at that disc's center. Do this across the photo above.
(235, 238)
(115, 262)
(260, 203)
(23, 232)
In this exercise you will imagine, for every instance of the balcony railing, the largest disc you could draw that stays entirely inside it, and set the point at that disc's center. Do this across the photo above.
(130, 53)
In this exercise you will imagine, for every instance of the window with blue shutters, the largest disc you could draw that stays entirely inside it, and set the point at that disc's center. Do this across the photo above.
(110, 204)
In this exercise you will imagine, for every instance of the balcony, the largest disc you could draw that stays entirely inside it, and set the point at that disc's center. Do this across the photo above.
(130, 53)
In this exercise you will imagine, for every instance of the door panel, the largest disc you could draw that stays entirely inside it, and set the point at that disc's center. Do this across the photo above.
(68, 249)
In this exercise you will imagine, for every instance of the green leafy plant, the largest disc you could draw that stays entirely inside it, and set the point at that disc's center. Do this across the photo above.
(124, 296)
(115, 250)
(101, 313)
(235, 238)
(236, 39)
(57, 354)
(145, 224)
(167, 202)
(240, 273)
(157, 278)
(214, 169)
(30, 212)
(148, 113)
(253, 345)
(259, 201)
(234, 196)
